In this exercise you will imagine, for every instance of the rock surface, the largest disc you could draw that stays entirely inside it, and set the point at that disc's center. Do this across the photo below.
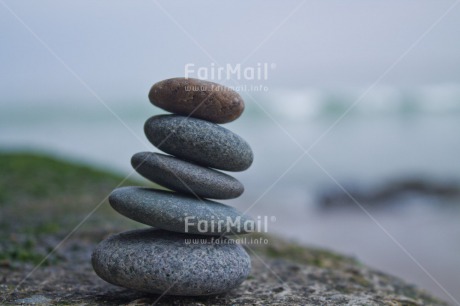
(281, 274)
(199, 141)
(179, 213)
(158, 261)
(197, 98)
(186, 177)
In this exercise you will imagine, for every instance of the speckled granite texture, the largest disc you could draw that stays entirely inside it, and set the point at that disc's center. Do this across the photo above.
(158, 261)
(186, 177)
(199, 141)
(169, 211)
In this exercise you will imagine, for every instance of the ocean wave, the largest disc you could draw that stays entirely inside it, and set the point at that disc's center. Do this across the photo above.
(382, 101)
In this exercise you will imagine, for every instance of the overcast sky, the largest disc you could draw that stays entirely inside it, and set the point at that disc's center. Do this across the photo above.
(120, 48)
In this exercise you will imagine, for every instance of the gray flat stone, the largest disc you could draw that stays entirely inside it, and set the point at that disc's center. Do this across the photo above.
(186, 177)
(158, 261)
(197, 98)
(199, 141)
(178, 212)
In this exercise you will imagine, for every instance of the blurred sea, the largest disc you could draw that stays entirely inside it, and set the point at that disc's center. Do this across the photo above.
(389, 134)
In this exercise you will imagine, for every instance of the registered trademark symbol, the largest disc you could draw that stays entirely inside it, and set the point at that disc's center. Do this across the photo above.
(273, 65)
(273, 218)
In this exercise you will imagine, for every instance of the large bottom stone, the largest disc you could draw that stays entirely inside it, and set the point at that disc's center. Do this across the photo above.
(158, 261)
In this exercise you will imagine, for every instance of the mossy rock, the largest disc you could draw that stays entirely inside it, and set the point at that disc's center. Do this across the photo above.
(43, 200)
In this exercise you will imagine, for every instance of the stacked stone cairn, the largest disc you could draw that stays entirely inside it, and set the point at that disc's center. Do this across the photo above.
(186, 252)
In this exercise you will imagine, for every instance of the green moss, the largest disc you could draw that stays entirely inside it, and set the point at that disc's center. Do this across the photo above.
(23, 252)
(38, 176)
(359, 279)
(43, 228)
(44, 197)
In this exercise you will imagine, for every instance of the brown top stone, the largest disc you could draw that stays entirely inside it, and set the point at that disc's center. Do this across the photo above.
(197, 98)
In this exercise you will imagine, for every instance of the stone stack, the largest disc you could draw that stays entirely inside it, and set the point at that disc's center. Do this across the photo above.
(186, 252)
